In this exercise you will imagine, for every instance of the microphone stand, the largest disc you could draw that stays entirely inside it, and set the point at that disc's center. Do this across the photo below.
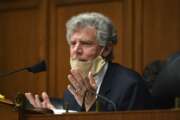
(12, 72)
(108, 100)
(41, 66)
(101, 97)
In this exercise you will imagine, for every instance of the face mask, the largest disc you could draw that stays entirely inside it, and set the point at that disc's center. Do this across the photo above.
(95, 66)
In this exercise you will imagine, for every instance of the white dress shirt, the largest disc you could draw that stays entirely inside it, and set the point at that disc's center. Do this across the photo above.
(99, 77)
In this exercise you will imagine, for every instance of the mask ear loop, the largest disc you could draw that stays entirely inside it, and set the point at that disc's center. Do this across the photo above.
(101, 52)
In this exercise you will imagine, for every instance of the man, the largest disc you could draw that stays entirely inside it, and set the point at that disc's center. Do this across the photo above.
(96, 82)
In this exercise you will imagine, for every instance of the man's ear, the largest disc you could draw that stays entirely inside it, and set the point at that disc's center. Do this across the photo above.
(107, 50)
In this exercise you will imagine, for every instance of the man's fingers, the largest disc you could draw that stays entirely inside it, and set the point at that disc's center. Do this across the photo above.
(38, 101)
(77, 96)
(92, 81)
(45, 97)
(72, 90)
(77, 77)
(73, 82)
(87, 83)
(31, 99)
(46, 101)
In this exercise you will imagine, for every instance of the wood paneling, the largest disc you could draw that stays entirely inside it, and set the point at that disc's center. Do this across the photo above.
(35, 29)
(161, 29)
(23, 39)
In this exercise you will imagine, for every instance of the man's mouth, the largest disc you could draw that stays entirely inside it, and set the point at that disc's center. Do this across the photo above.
(81, 60)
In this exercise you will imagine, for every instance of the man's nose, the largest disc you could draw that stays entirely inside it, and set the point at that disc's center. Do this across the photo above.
(78, 48)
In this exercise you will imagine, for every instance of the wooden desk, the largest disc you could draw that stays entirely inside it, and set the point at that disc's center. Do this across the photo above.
(128, 115)
(7, 113)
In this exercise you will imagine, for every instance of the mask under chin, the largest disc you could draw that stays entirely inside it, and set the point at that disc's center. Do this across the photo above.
(95, 66)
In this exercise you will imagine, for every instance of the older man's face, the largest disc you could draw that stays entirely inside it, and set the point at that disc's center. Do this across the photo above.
(83, 44)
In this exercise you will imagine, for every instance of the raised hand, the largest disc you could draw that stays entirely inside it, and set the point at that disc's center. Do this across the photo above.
(78, 86)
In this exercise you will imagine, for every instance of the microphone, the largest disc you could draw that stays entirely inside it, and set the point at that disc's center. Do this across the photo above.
(39, 67)
(107, 100)
(101, 97)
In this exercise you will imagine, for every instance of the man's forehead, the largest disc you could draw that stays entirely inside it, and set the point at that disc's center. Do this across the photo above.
(84, 35)
(85, 29)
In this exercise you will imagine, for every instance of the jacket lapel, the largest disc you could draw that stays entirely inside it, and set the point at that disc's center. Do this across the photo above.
(107, 81)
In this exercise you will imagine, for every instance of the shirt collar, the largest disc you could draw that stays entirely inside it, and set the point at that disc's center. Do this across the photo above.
(99, 77)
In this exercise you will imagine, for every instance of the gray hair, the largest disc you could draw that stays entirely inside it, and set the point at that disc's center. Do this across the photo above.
(105, 31)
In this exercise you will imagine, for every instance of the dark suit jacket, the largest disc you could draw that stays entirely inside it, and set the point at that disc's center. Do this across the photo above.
(122, 86)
